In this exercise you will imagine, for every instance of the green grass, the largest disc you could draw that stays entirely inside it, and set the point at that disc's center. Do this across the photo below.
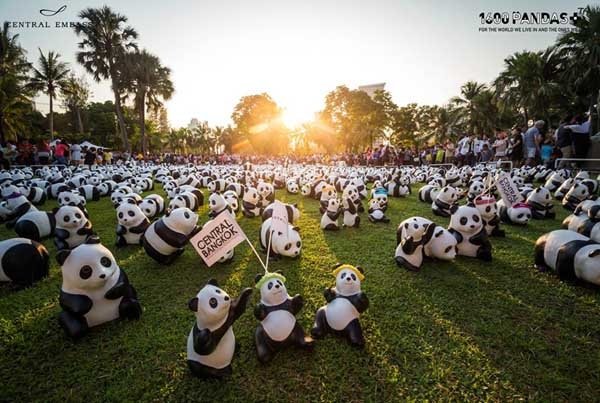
(464, 330)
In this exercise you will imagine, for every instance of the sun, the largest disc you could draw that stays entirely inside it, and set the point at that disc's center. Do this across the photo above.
(293, 118)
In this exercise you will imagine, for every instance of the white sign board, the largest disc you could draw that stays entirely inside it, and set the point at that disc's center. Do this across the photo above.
(217, 237)
(508, 190)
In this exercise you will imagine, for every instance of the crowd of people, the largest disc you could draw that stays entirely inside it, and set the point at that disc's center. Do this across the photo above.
(537, 144)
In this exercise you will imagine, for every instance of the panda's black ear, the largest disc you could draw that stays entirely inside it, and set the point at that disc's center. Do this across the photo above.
(193, 304)
(92, 240)
(297, 229)
(338, 264)
(471, 204)
(594, 253)
(62, 255)
(453, 209)
(131, 201)
(360, 269)
(213, 281)
(257, 278)
(55, 210)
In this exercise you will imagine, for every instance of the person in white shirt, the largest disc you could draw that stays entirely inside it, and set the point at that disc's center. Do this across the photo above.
(581, 136)
(75, 154)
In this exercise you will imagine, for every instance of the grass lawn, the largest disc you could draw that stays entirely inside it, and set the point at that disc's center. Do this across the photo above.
(465, 330)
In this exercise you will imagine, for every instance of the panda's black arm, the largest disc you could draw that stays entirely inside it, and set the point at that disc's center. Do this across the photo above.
(140, 229)
(479, 238)
(260, 312)
(351, 206)
(61, 233)
(330, 294)
(204, 342)
(428, 233)
(19, 211)
(197, 229)
(238, 306)
(86, 229)
(456, 235)
(297, 303)
(361, 302)
(121, 229)
(120, 289)
(75, 303)
(494, 221)
(409, 245)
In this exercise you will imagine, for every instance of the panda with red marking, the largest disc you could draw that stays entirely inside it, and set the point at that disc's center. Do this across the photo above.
(570, 255)
(345, 303)
(211, 342)
(94, 289)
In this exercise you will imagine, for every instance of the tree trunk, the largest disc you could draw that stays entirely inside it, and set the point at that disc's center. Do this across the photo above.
(120, 117)
(143, 123)
(79, 121)
(51, 120)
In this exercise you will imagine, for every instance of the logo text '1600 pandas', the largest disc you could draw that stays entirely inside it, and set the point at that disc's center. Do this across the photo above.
(529, 18)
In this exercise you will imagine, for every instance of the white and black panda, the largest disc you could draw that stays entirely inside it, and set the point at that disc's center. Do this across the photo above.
(56, 188)
(211, 342)
(570, 255)
(345, 303)
(277, 312)
(217, 185)
(132, 223)
(90, 192)
(267, 193)
(540, 201)
(35, 225)
(350, 217)
(232, 200)
(281, 245)
(410, 251)
(217, 204)
(466, 225)
(380, 194)
(293, 213)
(445, 204)
(475, 189)
(23, 261)
(329, 220)
(152, 206)
(251, 203)
(94, 289)
(413, 227)
(165, 239)
(238, 188)
(442, 245)
(488, 209)
(351, 192)
(377, 212)
(578, 193)
(327, 192)
(519, 213)
(72, 227)
(428, 193)
(292, 186)
(18, 206)
(70, 198)
(562, 190)
(36, 195)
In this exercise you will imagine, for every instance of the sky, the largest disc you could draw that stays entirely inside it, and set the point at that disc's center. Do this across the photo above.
(297, 51)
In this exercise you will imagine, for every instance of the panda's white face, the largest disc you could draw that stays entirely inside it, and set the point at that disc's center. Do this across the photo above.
(232, 199)
(540, 195)
(350, 192)
(182, 220)
(216, 202)
(333, 205)
(148, 207)
(70, 217)
(448, 194)
(129, 214)
(69, 199)
(213, 306)
(578, 192)
(273, 292)
(466, 220)
(251, 196)
(177, 202)
(347, 282)
(328, 192)
(88, 267)
(519, 215)
(374, 204)
(476, 188)
(305, 190)
(442, 245)
(488, 211)
(290, 247)
(292, 187)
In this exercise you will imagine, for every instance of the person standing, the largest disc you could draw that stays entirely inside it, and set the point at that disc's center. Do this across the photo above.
(581, 136)
(531, 141)
(60, 153)
(75, 154)
(89, 158)
(43, 152)
(500, 145)
(108, 157)
(564, 140)
(465, 150)
(515, 149)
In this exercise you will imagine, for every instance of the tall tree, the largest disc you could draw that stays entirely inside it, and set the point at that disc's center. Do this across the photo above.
(151, 84)
(467, 102)
(76, 92)
(15, 95)
(106, 39)
(50, 77)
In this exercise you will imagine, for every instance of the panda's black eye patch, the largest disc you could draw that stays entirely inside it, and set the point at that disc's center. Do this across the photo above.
(343, 275)
(464, 220)
(130, 213)
(186, 215)
(476, 218)
(439, 234)
(353, 276)
(67, 218)
(279, 282)
(520, 215)
(448, 248)
(217, 291)
(288, 246)
(105, 261)
(213, 303)
(85, 272)
(270, 285)
(77, 215)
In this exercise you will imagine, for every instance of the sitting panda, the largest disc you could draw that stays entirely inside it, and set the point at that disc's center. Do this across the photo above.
(232, 200)
(345, 303)
(540, 201)
(445, 204)
(165, 238)
(132, 223)
(327, 192)
(277, 312)
(72, 227)
(381, 196)
(329, 220)
(428, 193)
(251, 203)
(217, 204)
(293, 213)
(376, 212)
(36, 225)
(467, 227)
(570, 255)
(266, 192)
(281, 245)
(350, 218)
(410, 251)
(94, 289)
(292, 187)
(519, 213)
(23, 261)
(211, 342)
(414, 227)
(152, 206)
(489, 214)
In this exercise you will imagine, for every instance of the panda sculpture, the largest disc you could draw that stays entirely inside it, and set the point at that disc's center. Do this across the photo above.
(90, 192)
(578, 193)
(410, 251)
(164, 240)
(18, 206)
(570, 255)
(152, 206)
(277, 312)
(350, 217)
(519, 213)
(281, 245)
(445, 204)
(293, 213)
(377, 212)
(488, 209)
(466, 225)
(329, 220)
(345, 303)
(217, 204)
(132, 223)
(72, 227)
(94, 289)
(36, 225)
(232, 199)
(211, 342)
(23, 261)
(442, 245)
(540, 202)
(251, 203)
(414, 227)
(428, 193)
(327, 192)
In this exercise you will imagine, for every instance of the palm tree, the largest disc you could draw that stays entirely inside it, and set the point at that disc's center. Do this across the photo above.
(467, 102)
(151, 84)
(582, 47)
(106, 39)
(76, 93)
(50, 77)
(15, 96)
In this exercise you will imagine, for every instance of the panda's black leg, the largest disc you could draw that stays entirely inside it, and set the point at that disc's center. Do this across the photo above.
(539, 261)
(300, 339)
(264, 351)
(385, 219)
(357, 222)
(171, 258)
(120, 241)
(354, 333)
(73, 325)
(498, 232)
(202, 371)
(484, 253)
(331, 227)
(130, 308)
(60, 244)
(401, 262)
(320, 327)
(371, 219)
